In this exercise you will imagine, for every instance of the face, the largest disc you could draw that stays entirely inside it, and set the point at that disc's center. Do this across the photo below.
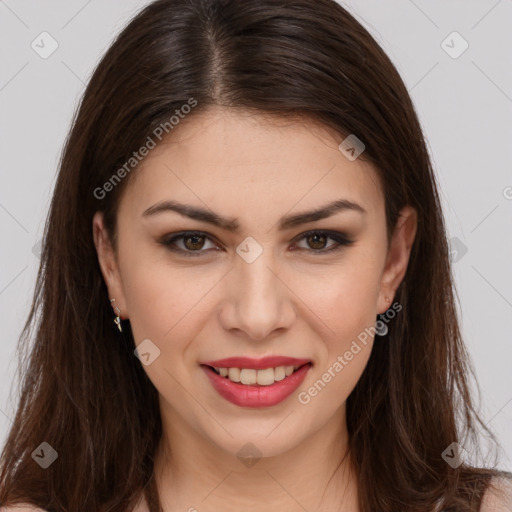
(252, 277)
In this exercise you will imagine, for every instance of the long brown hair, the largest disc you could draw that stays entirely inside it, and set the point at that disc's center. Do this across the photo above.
(84, 392)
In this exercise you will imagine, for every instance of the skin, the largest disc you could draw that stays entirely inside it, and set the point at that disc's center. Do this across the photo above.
(287, 302)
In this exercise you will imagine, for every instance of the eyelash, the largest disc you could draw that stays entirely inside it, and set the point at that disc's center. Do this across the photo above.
(340, 238)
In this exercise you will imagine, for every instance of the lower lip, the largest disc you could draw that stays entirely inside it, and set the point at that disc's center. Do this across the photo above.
(257, 396)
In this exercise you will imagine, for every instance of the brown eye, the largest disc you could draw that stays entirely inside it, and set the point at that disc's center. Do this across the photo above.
(194, 242)
(188, 243)
(317, 241)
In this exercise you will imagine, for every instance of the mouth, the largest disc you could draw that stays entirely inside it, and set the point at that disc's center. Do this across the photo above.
(256, 383)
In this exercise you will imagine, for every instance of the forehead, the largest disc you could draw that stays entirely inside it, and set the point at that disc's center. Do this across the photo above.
(226, 156)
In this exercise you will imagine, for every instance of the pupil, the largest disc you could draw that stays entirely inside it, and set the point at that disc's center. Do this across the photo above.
(193, 237)
(316, 236)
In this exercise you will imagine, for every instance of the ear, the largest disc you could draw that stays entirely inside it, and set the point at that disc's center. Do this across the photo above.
(108, 264)
(398, 256)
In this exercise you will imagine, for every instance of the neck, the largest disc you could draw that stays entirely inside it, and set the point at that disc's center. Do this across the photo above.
(193, 473)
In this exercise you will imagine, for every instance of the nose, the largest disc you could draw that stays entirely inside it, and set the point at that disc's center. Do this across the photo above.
(259, 302)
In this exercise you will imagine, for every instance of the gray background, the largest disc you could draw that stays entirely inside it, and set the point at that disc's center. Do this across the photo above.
(464, 104)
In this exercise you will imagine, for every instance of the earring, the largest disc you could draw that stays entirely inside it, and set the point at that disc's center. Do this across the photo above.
(117, 319)
(381, 329)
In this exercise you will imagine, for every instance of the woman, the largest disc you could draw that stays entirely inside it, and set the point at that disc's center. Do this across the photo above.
(245, 295)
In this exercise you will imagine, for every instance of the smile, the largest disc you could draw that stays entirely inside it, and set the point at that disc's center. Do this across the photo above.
(256, 383)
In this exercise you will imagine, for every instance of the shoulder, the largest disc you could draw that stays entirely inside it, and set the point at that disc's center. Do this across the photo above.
(142, 506)
(23, 507)
(498, 496)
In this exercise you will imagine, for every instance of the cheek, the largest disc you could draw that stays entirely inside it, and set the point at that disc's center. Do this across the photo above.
(343, 300)
(167, 307)
(350, 314)
(344, 303)
(164, 302)
(347, 307)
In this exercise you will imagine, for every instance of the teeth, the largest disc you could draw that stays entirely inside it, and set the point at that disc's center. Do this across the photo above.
(234, 374)
(279, 373)
(250, 376)
(265, 377)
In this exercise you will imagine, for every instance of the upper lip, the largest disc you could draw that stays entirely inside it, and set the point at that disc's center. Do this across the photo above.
(256, 364)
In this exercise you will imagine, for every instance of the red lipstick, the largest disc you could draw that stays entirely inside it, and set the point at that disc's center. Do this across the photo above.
(256, 395)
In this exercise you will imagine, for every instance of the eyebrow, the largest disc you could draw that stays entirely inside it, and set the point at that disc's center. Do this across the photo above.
(231, 224)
